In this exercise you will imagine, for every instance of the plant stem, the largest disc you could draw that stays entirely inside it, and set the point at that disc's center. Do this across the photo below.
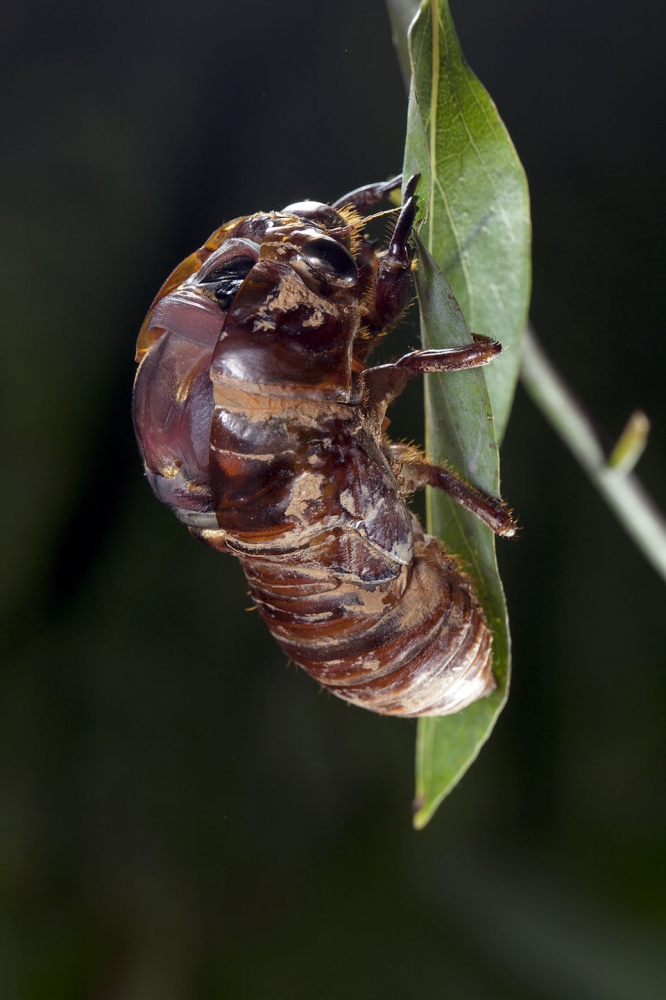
(622, 491)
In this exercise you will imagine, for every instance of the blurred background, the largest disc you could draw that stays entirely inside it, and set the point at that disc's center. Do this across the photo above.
(182, 815)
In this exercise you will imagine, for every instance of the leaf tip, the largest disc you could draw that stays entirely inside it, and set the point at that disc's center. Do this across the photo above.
(421, 814)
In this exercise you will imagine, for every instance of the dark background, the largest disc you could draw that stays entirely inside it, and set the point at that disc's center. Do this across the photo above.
(183, 816)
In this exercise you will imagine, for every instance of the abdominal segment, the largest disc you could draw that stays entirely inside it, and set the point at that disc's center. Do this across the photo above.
(406, 640)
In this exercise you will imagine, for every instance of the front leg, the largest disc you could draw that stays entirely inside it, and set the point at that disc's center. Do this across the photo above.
(389, 290)
(414, 473)
(369, 194)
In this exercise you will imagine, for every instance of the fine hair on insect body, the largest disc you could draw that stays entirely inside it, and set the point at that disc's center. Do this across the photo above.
(262, 426)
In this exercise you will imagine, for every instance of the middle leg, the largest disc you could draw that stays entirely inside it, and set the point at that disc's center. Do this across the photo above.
(385, 382)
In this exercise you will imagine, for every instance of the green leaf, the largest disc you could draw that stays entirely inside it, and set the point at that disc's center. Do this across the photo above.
(459, 433)
(474, 222)
(476, 198)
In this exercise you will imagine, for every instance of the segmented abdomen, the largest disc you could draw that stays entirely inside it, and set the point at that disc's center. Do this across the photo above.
(411, 641)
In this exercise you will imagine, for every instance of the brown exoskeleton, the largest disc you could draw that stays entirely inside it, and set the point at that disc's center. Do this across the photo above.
(261, 426)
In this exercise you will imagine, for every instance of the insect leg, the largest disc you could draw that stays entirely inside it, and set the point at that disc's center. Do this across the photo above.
(392, 280)
(369, 194)
(415, 474)
(385, 382)
(384, 284)
(451, 359)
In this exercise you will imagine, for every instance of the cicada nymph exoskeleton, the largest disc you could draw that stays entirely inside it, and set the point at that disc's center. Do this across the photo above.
(261, 426)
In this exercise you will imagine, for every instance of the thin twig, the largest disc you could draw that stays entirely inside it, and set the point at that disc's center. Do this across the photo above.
(622, 490)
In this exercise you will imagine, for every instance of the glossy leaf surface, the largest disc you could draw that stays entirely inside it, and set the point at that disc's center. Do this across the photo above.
(474, 212)
(460, 434)
(477, 226)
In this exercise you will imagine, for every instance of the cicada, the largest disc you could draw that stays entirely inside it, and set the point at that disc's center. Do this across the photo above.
(262, 426)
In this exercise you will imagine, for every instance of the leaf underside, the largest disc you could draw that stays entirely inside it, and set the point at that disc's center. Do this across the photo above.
(474, 228)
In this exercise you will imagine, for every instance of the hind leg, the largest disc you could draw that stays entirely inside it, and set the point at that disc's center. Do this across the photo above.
(414, 473)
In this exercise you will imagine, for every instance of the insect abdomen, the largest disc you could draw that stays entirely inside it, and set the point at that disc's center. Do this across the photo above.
(414, 643)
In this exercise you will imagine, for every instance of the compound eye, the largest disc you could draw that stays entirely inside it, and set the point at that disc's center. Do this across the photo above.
(327, 255)
(226, 279)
